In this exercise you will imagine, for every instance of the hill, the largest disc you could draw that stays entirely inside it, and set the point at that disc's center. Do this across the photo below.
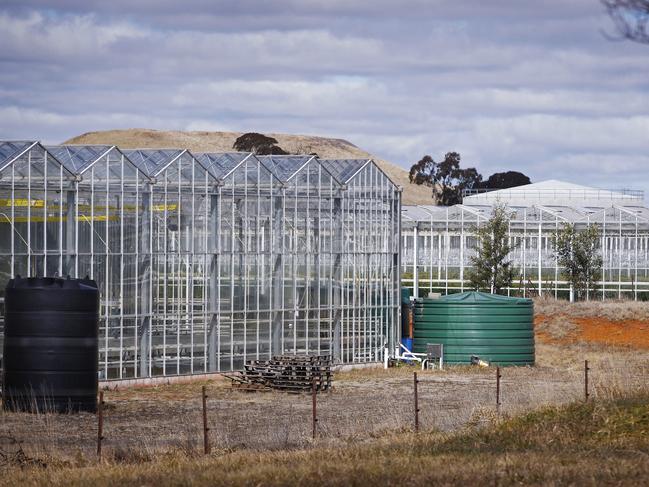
(222, 141)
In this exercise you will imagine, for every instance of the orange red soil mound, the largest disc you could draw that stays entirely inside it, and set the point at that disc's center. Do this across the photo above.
(627, 333)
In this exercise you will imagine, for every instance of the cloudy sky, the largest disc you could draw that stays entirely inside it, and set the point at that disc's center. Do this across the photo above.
(511, 85)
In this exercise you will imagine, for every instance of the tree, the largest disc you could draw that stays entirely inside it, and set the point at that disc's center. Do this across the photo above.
(576, 251)
(492, 269)
(631, 18)
(503, 180)
(258, 144)
(446, 178)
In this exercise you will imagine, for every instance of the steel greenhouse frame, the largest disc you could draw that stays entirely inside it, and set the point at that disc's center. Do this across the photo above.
(207, 260)
(104, 227)
(441, 240)
(371, 215)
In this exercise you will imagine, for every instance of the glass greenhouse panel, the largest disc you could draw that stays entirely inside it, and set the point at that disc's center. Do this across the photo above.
(369, 297)
(205, 261)
(436, 259)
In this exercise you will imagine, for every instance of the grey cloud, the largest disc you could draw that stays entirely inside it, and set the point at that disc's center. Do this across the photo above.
(361, 8)
(526, 85)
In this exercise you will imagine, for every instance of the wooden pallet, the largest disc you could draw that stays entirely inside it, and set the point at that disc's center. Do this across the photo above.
(290, 373)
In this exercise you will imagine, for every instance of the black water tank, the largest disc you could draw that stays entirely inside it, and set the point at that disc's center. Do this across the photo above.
(51, 344)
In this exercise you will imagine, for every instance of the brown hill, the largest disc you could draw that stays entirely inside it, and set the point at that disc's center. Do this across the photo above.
(222, 141)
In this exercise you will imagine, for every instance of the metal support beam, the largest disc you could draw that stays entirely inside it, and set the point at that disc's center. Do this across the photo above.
(213, 250)
(145, 273)
(277, 332)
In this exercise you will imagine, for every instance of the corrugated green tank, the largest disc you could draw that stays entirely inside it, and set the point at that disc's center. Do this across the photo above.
(496, 328)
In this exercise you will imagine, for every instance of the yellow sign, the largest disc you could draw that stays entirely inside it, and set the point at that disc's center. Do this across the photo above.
(22, 202)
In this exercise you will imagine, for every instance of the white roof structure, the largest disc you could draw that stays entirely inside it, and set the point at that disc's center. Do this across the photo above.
(439, 242)
(556, 193)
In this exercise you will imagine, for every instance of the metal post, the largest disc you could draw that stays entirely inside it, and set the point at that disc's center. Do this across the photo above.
(206, 437)
(498, 376)
(277, 289)
(415, 266)
(416, 404)
(145, 273)
(337, 278)
(69, 267)
(586, 392)
(540, 255)
(462, 251)
(395, 248)
(100, 423)
(314, 408)
(214, 251)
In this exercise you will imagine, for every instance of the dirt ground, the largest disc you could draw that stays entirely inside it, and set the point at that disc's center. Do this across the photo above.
(363, 404)
(614, 323)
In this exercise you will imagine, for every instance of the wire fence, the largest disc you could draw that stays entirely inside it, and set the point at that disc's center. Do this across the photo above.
(200, 418)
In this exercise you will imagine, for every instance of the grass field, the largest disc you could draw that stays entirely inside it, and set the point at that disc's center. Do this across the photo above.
(545, 435)
(604, 442)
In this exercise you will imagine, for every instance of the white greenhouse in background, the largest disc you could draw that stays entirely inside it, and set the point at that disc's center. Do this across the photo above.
(207, 260)
(437, 242)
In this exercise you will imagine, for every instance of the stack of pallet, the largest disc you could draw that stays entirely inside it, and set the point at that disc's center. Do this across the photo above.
(290, 373)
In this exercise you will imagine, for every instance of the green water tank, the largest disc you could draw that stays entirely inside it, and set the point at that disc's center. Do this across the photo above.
(498, 329)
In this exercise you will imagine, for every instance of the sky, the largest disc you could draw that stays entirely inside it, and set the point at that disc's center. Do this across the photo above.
(538, 87)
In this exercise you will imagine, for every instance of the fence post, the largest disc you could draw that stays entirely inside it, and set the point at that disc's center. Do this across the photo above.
(314, 410)
(586, 392)
(100, 423)
(498, 376)
(416, 404)
(206, 437)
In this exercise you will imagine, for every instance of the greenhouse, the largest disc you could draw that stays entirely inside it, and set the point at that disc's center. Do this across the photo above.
(438, 242)
(207, 260)
(369, 256)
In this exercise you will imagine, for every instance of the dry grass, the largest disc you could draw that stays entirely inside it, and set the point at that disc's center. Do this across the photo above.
(602, 442)
(615, 310)
(153, 433)
(222, 141)
(363, 404)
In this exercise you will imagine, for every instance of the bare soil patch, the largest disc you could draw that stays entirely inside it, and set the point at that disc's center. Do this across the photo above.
(615, 323)
(627, 333)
